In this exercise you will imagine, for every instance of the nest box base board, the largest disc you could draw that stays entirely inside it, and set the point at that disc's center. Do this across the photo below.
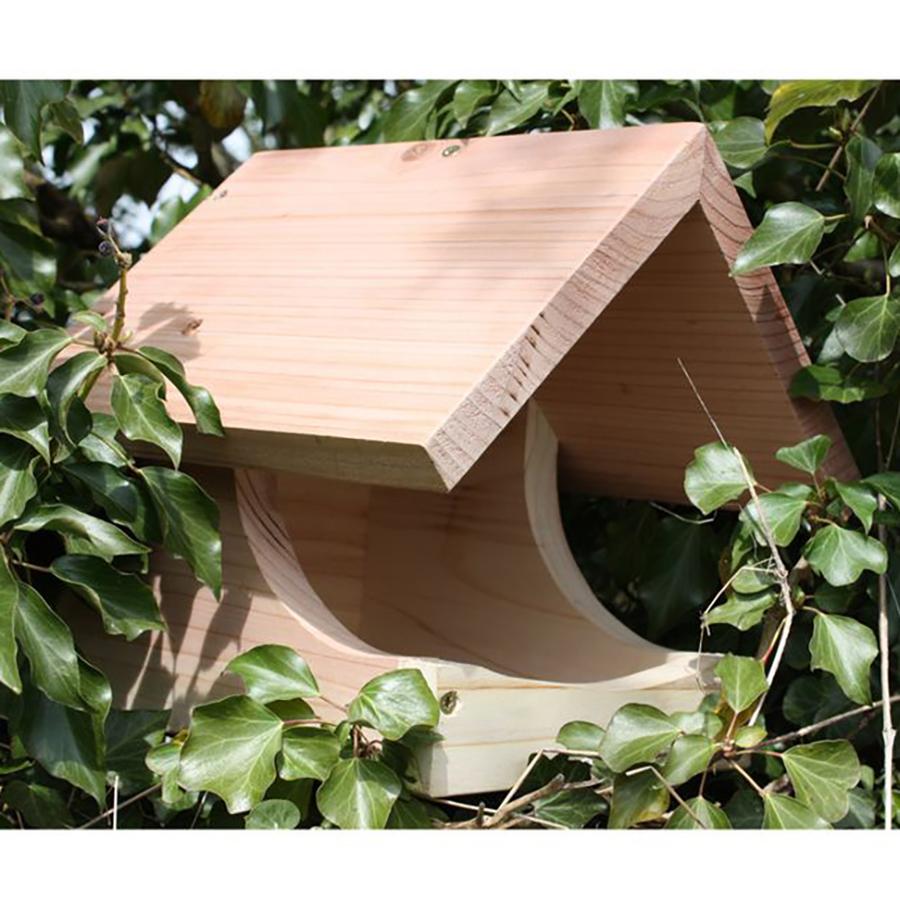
(476, 588)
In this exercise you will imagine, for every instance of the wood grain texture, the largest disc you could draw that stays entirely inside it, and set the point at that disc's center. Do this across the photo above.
(381, 313)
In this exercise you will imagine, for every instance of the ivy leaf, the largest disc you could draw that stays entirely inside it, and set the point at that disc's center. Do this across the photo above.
(163, 760)
(789, 233)
(125, 603)
(65, 114)
(749, 735)
(142, 415)
(886, 185)
(570, 809)
(39, 805)
(408, 116)
(509, 111)
(190, 523)
(846, 648)
(580, 736)
(781, 512)
(603, 103)
(93, 535)
(274, 672)
(822, 774)
(23, 102)
(199, 399)
(231, 751)
(689, 756)
(274, 814)
(783, 812)
(710, 815)
(308, 753)
(741, 142)
(17, 482)
(887, 483)
(411, 813)
(130, 734)
(24, 367)
(715, 476)
(9, 601)
(841, 555)
(868, 327)
(862, 157)
(818, 382)
(394, 702)
(637, 798)
(741, 613)
(470, 96)
(743, 680)
(859, 499)
(359, 793)
(65, 382)
(894, 262)
(23, 418)
(794, 95)
(807, 456)
(48, 643)
(636, 733)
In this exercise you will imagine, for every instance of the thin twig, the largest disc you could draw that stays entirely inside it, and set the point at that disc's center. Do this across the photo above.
(840, 148)
(671, 790)
(122, 805)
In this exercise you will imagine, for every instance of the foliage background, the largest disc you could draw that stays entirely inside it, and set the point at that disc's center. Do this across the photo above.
(145, 152)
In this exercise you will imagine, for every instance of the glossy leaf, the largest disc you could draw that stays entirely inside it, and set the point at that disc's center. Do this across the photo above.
(807, 456)
(709, 815)
(308, 753)
(887, 483)
(468, 97)
(231, 751)
(273, 672)
(846, 648)
(789, 233)
(822, 774)
(749, 735)
(39, 805)
(715, 477)
(636, 733)
(394, 702)
(130, 734)
(637, 798)
(743, 680)
(688, 756)
(17, 482)
(580, 736)
(570, 809)
(407, 118)
(24, 367)
(741, 142)
(603, 103)
(794, 95)
(9, 601)
(868, 327)
(142, 415)
(740, 613)
(777, 514)
(94, 535)
(190, 523)
(783, 812)
(359, 793)
(862, 156)
(886, 185)
(23, 103)
(509, 111)
(860, 499)
(276, 815)
(841, 555)
(23, 418)
(64, 383)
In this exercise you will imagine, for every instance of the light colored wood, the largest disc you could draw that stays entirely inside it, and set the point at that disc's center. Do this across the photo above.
(477, 589)
(380, 313)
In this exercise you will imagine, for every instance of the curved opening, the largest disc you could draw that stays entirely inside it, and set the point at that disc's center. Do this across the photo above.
(481, 575)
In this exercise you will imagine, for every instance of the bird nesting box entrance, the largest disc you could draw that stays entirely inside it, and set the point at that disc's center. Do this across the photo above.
(399, 340)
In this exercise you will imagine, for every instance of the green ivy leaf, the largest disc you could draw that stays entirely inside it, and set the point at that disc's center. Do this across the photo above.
(603, 103)
(23, 418)
(509, 111)
(40, 806)
(24, 367)
(887, 483)
(95, 536)
(190, 523)
(231, 751)
(807, 456)
(201, 402)
(17, 482)
(868, 327)
(23, 102)
(789, 233)
(846, 648)
(749, 735)
(65, 382)
(469, 97)
(130, 734)
(408, 116)
(743, 680)
(126, 604)
(637, 798)
(689, 756)
(894, 262)
(859, 499)
(570, 809)
(636, 733)
(274, 672)
(741, 142)
(48, 643)
(580, 736)
(783, 812)
(841, 555)
(409, 813)
(822, 774)
(308, 753)
(710, 816)
(715, 476)
(886, 185)
(142, 415)
(781, 512)
(794, 95)
(818, 382)
(164, 760)
(9, 601)
(275, 815)
(394, 702)
(741, 613)
(862, 157)
(359, 793)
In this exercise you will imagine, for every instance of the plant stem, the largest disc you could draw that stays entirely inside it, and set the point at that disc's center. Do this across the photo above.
(887, 723)
(840, 148)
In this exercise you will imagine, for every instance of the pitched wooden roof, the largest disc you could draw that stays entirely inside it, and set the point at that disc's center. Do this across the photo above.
(381, 312)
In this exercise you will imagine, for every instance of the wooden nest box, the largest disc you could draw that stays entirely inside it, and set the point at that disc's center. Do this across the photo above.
(413, 346)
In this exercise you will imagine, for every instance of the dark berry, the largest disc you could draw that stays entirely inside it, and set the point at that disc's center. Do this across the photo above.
(37, 298)
(105, 248)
